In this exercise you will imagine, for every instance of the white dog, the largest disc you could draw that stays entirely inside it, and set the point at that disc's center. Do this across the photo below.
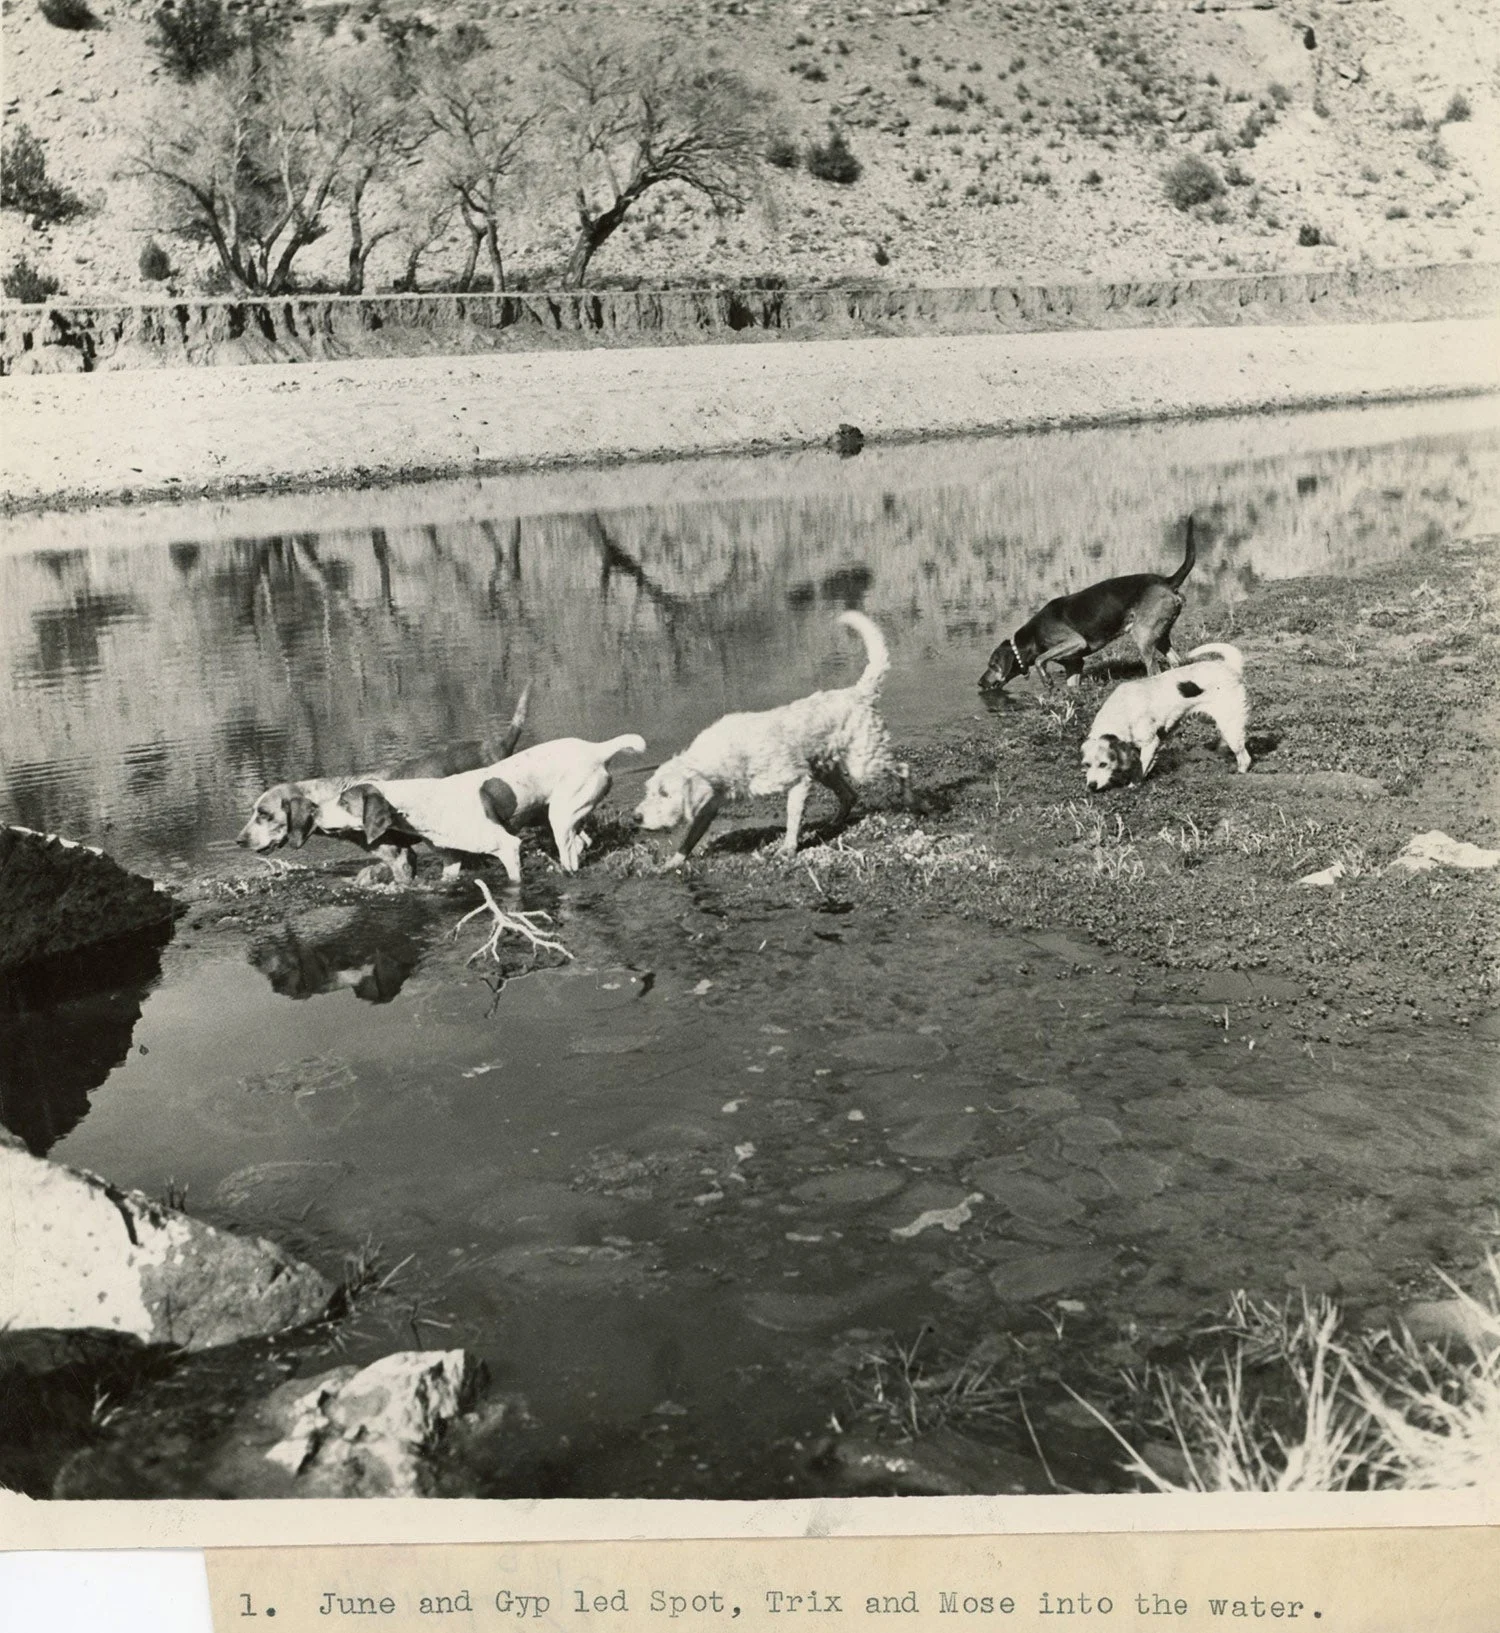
(475, 811)
(1137, 715)
(291, 811)
(835, 738)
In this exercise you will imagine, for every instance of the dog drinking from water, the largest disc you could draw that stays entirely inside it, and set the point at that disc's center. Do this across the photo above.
(835, 738)
(1139, 714)
(1070, 627)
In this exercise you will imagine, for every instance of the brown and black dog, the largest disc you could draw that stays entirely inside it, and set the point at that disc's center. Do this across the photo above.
(1070, 627)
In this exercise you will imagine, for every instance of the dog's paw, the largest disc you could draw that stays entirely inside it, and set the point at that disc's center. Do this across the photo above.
(375, 874)
(673, 864)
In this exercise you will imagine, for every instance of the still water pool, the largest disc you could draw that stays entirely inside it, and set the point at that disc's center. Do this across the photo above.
(650, 1200)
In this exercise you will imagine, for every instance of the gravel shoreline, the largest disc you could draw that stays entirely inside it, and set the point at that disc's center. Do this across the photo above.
(88, 439)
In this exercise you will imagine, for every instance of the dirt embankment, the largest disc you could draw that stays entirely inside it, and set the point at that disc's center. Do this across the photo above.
(172, 433)
(72, 338)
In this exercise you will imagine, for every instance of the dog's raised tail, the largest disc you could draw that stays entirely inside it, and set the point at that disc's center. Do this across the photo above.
(868, 684)
(1189, 557)
(512, 733)
(629, 743)
(1233, 658)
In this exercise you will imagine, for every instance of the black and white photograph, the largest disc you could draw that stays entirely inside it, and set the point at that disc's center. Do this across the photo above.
(749, 749)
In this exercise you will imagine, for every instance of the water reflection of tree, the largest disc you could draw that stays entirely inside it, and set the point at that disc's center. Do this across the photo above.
(168, 686)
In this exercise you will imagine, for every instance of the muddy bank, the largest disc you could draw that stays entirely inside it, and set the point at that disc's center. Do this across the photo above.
(73, 338)
(1031, 1078)
(175, 433)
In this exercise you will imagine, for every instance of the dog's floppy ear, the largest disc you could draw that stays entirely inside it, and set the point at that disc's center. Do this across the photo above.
(300, 813)
(375, 811)
(497, 799)
(697, 791)
(1127, 757)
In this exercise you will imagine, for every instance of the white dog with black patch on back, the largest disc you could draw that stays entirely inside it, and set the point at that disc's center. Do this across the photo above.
(835, 738)
(474, 812)
(1139, 714)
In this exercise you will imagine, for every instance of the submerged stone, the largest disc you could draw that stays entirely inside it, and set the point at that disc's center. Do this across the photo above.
(893, 1051)
(941, 1464)
(1025, 1196)
(1029, 1275)
(850, 1187)
(936, 1138)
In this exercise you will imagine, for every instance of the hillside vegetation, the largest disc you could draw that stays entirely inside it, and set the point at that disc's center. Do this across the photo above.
(911, 142)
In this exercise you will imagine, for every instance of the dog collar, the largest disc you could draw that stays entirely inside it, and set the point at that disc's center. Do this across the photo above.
(1022, 667)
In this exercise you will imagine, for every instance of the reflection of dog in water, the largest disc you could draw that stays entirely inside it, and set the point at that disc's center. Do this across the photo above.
(299, 965)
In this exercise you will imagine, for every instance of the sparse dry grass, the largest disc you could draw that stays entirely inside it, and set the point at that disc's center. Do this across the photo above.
(1293, 1403)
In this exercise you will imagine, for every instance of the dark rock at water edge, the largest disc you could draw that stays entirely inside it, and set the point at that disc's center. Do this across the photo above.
(57, 896)
(847, 441)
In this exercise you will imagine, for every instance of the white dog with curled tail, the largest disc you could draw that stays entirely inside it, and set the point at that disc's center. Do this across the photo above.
(834, 738)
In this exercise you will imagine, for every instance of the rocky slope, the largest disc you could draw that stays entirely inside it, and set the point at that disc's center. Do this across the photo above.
(997, 141)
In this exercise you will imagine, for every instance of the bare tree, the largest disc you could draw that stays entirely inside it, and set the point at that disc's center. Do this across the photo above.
(250, 157)
(636, 116)
(481, 129)
(372, 110)
(426, 207)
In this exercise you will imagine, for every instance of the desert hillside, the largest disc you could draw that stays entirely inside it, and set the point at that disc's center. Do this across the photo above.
(994, 141)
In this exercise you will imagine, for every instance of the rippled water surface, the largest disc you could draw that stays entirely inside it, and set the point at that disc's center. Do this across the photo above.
(572, 1163)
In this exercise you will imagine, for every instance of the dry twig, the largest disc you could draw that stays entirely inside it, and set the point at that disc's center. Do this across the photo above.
(526, 925)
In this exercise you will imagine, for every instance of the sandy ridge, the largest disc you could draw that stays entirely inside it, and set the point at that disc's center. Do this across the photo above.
(88, 438)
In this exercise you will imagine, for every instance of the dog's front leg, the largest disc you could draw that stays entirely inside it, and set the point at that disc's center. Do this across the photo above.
(796, 799)
(833, 779)
(1148, 755)
(1075, 646)
(699, 826)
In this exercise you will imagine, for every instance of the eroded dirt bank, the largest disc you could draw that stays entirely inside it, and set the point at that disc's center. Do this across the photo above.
(174, 432)
(1110, 1050)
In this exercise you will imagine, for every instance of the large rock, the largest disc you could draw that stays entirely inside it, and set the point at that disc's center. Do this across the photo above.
(81, 1254)
(57, 897)
(1424, 852)
(353, 1432)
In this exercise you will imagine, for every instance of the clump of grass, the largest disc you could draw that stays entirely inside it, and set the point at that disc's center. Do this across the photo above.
(69, 14)
(1458, 109)
(783, 152)
(365, 1273)
(833, 160)
(1292, 1403)
(1432, 152)
(1228, 1436)
(907, 1395)
(26, 186)
(1192, 180)
(24, 283)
